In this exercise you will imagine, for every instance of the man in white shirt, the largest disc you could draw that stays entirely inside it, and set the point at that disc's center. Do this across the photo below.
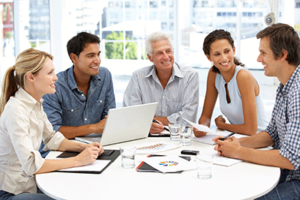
(174, 87)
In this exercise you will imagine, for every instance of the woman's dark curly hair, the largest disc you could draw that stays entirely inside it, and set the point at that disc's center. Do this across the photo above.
(218, 35)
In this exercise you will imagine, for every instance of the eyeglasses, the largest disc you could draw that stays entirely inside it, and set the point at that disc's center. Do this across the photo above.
(227, 94)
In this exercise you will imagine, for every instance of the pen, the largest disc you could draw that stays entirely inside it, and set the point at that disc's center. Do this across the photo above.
(231, 134)
(158, 123)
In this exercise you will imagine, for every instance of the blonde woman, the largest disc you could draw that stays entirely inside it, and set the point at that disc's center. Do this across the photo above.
(23, 125)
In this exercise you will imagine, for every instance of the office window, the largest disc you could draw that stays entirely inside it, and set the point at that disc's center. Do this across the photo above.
(123, 26)
(252, 21)
(33, 29)
(7, 36)
(7, 30)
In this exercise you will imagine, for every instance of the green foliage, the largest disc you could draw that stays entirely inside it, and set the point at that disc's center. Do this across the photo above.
(114, 50)
(33, 44)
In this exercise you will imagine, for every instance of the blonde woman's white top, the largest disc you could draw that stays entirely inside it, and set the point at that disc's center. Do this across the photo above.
(23, 125)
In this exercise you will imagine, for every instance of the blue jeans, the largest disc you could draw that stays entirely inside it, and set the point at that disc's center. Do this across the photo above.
(284, 190)
(24, 196)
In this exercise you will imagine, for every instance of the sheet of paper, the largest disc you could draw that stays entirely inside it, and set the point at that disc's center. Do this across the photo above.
(224, 161)
(170, 163)
(98, 165)
(155, 147)
(200, 127)
(207, 139)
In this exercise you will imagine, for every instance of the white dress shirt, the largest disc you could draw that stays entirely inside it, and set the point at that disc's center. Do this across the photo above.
(23, 125)
(178, 100)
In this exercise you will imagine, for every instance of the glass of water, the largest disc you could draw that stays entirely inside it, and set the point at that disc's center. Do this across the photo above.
(128, 157)
(204, 166)
(186, 135)
(174, 131)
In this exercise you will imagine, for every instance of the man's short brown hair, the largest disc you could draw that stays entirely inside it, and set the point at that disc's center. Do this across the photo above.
(282, 36)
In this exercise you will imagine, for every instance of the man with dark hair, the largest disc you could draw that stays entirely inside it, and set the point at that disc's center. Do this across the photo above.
(84, 92)
(279, 53)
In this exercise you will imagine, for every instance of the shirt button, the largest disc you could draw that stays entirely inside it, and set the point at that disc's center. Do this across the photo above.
(100, 101)
(85, 119)
(82, 95)
(72, 110)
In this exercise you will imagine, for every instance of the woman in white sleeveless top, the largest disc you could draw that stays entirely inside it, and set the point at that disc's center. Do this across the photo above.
(238, 91)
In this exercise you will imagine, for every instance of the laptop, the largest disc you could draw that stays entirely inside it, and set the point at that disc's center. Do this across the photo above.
(124, 124)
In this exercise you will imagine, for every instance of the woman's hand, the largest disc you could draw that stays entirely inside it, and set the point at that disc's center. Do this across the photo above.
(96, 144)
(89, 154)
(198, 133)
(220, 121)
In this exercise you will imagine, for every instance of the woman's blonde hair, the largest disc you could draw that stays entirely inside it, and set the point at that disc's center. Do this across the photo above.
(28, 61)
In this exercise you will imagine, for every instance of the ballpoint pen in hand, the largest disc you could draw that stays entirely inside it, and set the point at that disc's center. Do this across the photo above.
(158, 123)
(231, 134)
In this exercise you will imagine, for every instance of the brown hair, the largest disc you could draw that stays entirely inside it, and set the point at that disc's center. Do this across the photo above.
(28, 61)
(282, 36)
(218, 35)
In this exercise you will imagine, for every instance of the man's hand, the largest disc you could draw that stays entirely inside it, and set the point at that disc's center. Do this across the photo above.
(100, 126)
(156, 127)
(228, 148)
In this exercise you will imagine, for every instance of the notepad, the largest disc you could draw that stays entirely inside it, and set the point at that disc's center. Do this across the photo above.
(224, 161)
(96, 166)
(207, 139)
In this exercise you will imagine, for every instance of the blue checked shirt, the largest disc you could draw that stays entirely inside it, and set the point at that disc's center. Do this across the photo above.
(177, 101)
(68, 106)
(284, 127)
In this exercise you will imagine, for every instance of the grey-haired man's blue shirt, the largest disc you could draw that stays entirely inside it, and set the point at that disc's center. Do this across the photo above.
(68, 106)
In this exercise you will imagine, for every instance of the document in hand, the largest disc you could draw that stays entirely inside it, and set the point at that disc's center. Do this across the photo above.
(170, 163)
(200, 127)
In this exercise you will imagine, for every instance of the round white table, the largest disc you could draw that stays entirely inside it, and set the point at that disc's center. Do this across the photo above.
(240, 181)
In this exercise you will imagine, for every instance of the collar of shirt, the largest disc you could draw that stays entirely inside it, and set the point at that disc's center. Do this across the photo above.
(28, 100)
(175, 72)
(71, 79)
(284, 89)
